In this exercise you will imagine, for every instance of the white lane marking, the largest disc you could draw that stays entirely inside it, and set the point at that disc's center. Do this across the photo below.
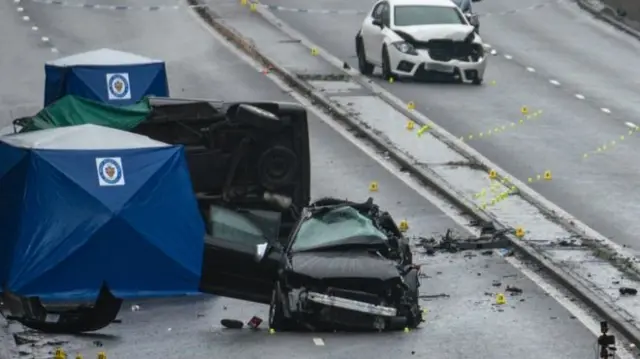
(34, 28)
(508, 57)
(45, 39)
(20, 9)
(579, 96)
(581, 315)
(631, 124)
(531, 69)
(605, 110)
(25, 18)
(318, 341)
(54, 50)
(555, 82)
(16, 1)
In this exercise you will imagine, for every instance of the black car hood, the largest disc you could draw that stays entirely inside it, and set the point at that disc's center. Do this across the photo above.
(350, 264)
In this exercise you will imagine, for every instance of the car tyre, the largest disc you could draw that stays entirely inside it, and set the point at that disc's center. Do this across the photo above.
(414, 317)
(277, 320)
(477, 81)
(386, 64)
(365, 67)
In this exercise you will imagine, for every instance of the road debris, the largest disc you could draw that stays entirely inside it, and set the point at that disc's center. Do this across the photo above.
(449, 243)
(232, 323)
(628, 291)
(254, 322)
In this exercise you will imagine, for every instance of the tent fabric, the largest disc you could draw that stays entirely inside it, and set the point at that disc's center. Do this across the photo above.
(103, 57)
(65, 231)
(74, 110)
(81, 137)
(105, 75)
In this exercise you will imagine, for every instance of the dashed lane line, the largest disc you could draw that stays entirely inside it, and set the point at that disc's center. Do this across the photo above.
(43, 39)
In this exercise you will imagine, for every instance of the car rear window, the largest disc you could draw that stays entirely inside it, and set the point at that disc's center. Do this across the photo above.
(412, 15)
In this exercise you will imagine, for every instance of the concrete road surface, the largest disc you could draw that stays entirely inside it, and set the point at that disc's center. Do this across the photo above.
(551, 56)
(464, 323)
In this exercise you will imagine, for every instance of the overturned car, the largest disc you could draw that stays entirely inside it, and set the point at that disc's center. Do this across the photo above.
(345, 266)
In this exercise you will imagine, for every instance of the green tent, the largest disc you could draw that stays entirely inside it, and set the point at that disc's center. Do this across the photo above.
(72, 110)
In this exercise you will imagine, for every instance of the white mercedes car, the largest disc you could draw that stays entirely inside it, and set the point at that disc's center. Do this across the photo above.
(418, 38)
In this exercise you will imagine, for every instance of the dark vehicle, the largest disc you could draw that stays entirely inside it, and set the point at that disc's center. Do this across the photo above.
(344, 265)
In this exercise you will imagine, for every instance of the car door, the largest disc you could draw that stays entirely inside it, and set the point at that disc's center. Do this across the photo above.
(372, 34)
(242, 253)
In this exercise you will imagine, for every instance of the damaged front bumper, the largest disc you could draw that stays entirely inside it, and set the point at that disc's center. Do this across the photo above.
(330, 311)
(420, 63)
(350, 304)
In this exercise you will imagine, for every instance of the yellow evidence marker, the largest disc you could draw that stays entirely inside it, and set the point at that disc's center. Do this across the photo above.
(411, 105)
(500, 299)
(519, 232)
(243, 2)
(404, 226)
(524, 110)
(373, 186)
(314, 51)
(410, 125)
(253, 7)
(493, 174)
(547, 175)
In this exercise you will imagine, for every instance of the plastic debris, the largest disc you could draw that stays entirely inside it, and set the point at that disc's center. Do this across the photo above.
(232, 323)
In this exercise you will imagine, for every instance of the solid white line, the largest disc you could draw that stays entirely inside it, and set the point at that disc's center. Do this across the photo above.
(453, 213)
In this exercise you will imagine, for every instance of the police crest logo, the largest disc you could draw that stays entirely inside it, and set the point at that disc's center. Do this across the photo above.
(110, 172)
(118, 86)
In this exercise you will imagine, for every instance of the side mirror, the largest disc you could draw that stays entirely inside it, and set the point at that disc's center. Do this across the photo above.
(377, 22)
(261, 250)
(473, 19)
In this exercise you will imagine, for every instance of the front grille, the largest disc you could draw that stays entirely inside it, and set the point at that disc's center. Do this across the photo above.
(354, 295)
(447, 50)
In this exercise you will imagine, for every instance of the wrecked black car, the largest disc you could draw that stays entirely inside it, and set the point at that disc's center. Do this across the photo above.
(345, 265)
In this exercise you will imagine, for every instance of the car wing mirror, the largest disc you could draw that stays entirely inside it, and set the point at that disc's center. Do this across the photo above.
(377, 22)
(472, 18)
(261, 251)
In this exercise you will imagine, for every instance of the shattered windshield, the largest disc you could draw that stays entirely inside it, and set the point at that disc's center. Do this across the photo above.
(333, 226)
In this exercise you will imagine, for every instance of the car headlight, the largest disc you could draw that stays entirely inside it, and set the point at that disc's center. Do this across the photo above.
(405, 47)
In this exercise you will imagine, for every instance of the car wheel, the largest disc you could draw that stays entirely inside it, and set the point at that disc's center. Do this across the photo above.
(365, 67)
(477, 81)
(414, 316)
(386, 64)
(277, 320)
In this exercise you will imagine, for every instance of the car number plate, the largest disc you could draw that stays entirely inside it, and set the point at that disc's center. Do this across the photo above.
(440, 67)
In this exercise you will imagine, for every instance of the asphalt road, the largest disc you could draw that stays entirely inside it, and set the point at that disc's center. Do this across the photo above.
(568, 54)
(466, 324)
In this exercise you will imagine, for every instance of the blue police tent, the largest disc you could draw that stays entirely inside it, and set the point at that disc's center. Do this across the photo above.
(110, 76)
(83, 204)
